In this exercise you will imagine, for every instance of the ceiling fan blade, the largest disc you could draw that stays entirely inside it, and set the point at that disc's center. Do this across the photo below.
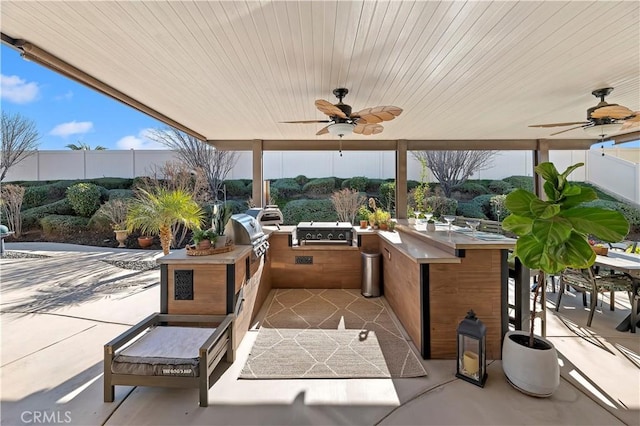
(329, 109)
(323, 131)
(612, 111)
(368, 129)
(634, 119)
(630, 124)
(307, 121)
(378, 114)
(566, 130)
(571, 123)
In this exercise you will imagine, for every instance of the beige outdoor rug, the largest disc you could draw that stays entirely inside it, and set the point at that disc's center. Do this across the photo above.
(329, 334)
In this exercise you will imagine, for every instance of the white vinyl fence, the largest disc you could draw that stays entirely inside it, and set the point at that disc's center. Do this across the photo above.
(613, 174)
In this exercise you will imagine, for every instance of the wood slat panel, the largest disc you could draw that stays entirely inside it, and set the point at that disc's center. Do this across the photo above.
(454, 289)
(209, 290)
(401, 280)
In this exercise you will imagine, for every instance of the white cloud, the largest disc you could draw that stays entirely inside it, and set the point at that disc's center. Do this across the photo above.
(139, 141)
(72, 128)
(65, 97)
(17, 90)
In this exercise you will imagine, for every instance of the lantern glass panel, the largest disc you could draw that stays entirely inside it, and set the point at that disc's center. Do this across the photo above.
(469, 360)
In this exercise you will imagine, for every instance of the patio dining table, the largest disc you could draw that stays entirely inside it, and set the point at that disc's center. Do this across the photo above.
(629, 264)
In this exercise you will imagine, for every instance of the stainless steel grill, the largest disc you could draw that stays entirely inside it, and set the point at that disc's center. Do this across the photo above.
(325, 232)
(246, 230)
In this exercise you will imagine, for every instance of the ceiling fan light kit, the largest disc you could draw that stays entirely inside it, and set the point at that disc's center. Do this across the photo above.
(602, 130)
(341, 129)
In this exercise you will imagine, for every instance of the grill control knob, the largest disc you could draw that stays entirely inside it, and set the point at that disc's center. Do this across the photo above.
(319, 236)
(341, 236)
(308, 236)
(329, 236)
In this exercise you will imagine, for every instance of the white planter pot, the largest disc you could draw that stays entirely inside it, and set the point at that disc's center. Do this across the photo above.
(221, 241)
(530, 370)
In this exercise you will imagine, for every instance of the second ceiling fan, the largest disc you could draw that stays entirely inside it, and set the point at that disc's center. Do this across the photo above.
(342, 121)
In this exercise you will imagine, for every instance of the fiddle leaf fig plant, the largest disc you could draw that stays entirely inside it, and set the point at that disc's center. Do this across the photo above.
(553, 233)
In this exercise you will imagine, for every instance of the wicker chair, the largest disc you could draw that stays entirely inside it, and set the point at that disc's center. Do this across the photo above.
(587, 282)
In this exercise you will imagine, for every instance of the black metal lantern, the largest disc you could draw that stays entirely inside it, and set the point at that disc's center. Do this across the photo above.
(472, 359)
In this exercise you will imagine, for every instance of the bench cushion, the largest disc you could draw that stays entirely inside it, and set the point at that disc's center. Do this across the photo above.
(163, 351)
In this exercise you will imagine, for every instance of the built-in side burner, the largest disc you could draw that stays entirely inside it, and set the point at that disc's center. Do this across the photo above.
(325, 232)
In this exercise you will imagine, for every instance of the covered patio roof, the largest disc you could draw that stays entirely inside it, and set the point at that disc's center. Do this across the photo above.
(473, 74)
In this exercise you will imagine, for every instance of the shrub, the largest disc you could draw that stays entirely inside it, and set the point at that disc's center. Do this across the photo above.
(388, 196)
(115, 194)
(470, 209)
(307, 210)
(113, 182)
(631, 213)
(31, 217)
(346, 202)
(34, 196)
(320, 186)
(521, 182)
(412, 184)
(237, 188)
(373, 185)
(359, 183)
(58, 190)
(302, 180)
(441, 206)
(11, 197)
(500, 187)
(63, 225)
(472, 188)
(484, 202)
(113, 213)
(84, 198)
(286, 188)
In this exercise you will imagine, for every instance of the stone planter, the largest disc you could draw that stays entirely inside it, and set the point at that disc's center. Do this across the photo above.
(121, 237)
(533, 371)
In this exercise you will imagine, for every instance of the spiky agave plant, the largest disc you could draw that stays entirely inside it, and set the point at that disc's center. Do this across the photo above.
(155, 212)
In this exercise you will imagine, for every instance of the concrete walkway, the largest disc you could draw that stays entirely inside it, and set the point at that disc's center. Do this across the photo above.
(58, 312)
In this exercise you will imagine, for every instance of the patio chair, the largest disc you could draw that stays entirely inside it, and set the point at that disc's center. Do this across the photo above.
(586, 281)
(168, 354)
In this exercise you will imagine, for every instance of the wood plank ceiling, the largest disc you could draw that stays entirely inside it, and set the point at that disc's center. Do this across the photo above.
(460, 70)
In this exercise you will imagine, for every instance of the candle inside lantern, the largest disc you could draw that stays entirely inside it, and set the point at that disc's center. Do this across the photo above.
(470, 362)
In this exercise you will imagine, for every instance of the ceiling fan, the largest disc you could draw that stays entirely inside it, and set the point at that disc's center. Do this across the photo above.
(343, 122)
(602, 119)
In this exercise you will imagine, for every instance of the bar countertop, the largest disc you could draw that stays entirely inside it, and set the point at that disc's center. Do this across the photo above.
(231, 257)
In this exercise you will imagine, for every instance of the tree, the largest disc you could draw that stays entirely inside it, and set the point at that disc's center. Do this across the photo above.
(83, 146)
(198, 155)
(19, 141)
(453, 168)
(154, 213)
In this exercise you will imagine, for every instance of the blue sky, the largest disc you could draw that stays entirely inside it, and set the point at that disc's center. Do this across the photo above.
(66, 112)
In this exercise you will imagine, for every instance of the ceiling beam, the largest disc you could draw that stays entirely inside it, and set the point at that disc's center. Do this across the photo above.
(627, 137)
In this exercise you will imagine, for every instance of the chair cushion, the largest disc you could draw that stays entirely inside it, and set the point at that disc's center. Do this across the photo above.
(615, 282)
(163, 351)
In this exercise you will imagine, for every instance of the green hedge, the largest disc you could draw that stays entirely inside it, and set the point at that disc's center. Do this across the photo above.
(112, 182)
(286, 188)
(307, 210)
(470, 209)
(302, 180)
(63, 225)
(120, 193)
(373, 186)
(359, 183)
(320, 186)
(522, 182)
(472, 188)
(484, 203)
(34, 196)
(31, 217)
(500, 187)
(84, 198)
(237, 188)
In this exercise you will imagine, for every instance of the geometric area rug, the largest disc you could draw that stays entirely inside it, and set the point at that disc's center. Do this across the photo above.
(328, 334)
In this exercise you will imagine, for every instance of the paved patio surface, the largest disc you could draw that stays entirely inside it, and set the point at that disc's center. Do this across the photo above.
(58, 312)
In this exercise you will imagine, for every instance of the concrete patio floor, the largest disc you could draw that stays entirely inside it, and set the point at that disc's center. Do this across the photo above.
(58, 312)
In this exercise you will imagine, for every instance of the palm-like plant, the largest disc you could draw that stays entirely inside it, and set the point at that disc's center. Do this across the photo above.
(155, 212)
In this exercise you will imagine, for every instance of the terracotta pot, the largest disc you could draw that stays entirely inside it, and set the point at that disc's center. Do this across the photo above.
(145, 242)
(364, 224)
(384, 226)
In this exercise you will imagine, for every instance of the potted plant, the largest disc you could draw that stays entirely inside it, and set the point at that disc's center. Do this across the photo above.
(221, 215)
(553, 235)
(203, 238)
(154, 212)
(431, 225)
(115, 211)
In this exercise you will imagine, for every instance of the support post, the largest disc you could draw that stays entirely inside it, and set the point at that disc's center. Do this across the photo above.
(257, 173)
(540, 155)
(401, 180)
